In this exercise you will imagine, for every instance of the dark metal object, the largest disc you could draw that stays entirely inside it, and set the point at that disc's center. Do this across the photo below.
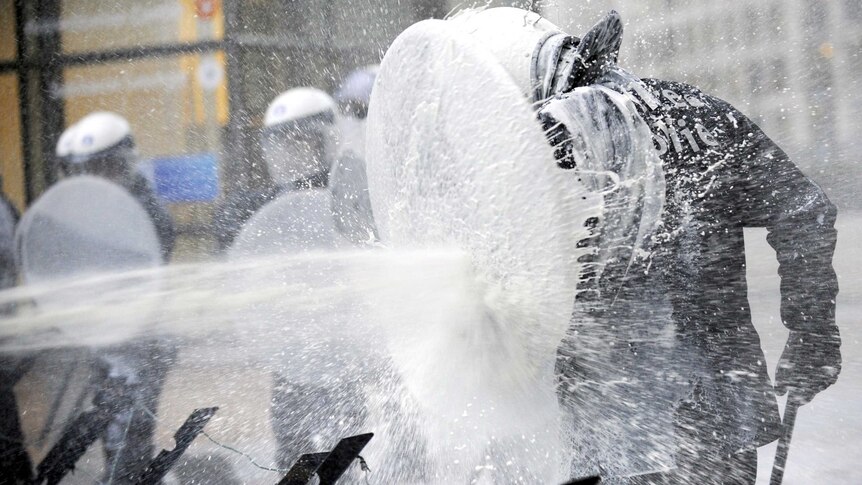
(23, 101)
(234, 139)
(585, 481)
(116, 55)
(789, 421)
(184, 436)
(49, 48)
(340, 458)
(58, 401)
(659, 476)
(304, 468)
(169, 50)
(76, 438)
(328, 466)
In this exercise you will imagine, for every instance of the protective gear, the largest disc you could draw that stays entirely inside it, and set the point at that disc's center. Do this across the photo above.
(434, 183)
(351, 205)
(353, 97)
(85, 225)
(298, 145)
(299, 138)
(354, 94)
(235, 208)
(102, 145)
(76, 214)
(312, 391)
(64, 147)
(295, 222)
(809, 364)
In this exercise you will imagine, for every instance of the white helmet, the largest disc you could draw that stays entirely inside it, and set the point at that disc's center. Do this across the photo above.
(354, 93)
(297, 104)
(299, 137)
(64, 144)
(102, 144)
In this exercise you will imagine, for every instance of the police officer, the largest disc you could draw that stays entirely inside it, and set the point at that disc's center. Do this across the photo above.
(309, 409)
(351, 203)
(298, 122)
(102, 145)
(15, 464)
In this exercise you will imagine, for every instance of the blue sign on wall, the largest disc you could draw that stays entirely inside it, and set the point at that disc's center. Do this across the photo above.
(186, 178)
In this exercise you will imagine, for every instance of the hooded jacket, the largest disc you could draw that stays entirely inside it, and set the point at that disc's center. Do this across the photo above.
(722, 174)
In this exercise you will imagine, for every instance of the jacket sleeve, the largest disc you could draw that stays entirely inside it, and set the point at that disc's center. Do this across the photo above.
(164, 227)
(162, 220)
(800, 220)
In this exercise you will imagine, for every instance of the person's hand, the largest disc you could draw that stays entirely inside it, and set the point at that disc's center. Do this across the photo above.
(809, 364)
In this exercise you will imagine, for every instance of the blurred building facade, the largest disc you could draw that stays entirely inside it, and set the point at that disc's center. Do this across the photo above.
(793, 66)
(193, 77)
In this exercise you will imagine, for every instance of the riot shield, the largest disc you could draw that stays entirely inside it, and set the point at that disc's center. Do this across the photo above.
(294, 339)
(8, 271)
(85, 226)
(456, 159)
(295, 222)
(83, 234)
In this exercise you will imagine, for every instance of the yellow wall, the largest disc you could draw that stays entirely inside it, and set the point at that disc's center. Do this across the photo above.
(162, 99)
(11, 158)
(7, 30)
(150, 93)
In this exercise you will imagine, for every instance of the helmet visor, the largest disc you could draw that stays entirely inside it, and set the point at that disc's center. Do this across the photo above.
(293, 151)
(114, 164)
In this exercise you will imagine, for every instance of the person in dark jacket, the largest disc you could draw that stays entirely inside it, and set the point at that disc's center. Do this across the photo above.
(15, 464)
(102, 145)
(722, 174)
(299, 146)
(662, 322)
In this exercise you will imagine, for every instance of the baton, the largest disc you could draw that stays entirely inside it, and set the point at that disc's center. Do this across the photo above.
(788, 422)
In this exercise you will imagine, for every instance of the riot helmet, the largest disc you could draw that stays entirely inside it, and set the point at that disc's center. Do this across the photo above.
(63, 151)
(102, 145)
(354, 93)
(299, 137)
